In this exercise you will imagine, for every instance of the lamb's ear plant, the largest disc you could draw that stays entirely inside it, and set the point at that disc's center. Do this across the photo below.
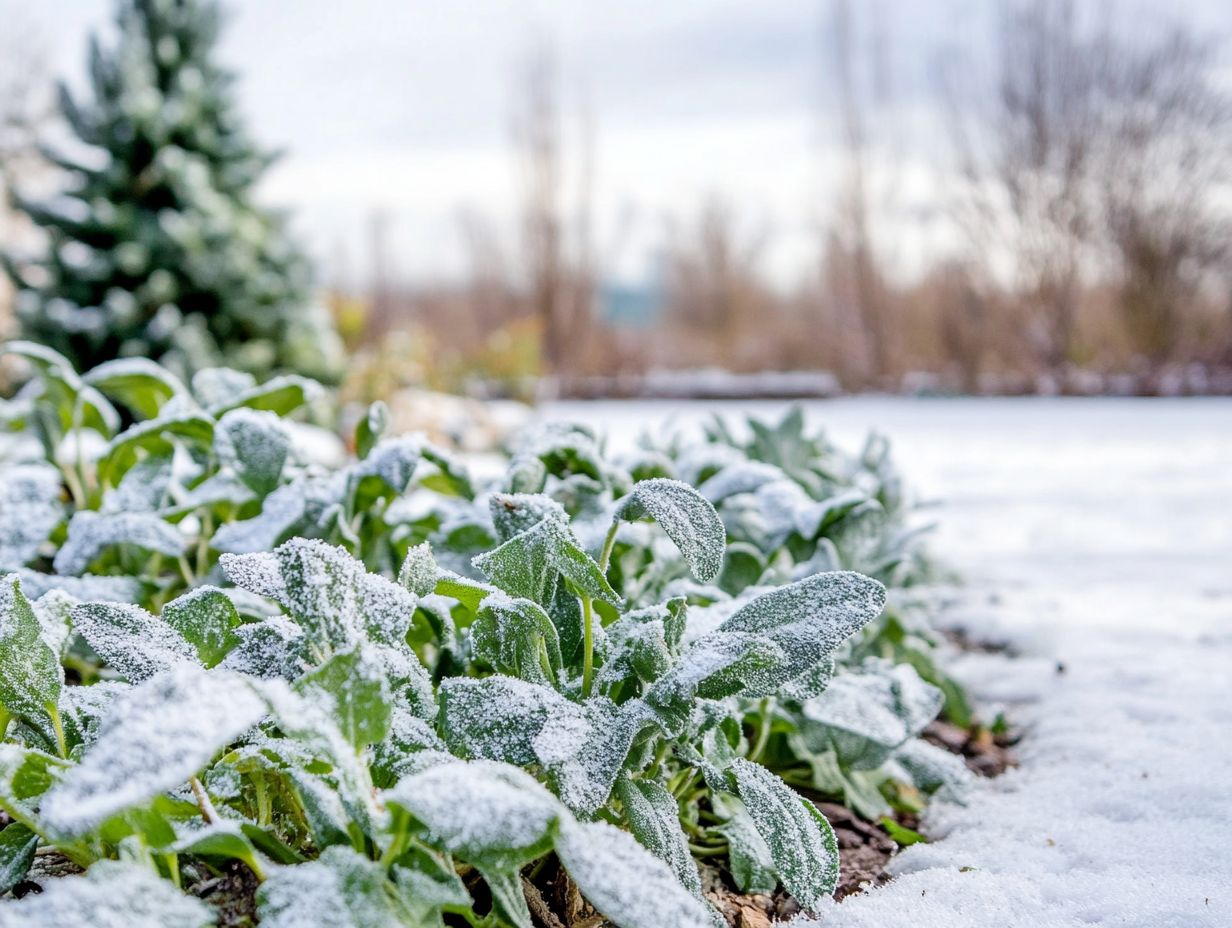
(398, 695)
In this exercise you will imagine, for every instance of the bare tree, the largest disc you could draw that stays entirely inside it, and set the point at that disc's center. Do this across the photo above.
(557, 234)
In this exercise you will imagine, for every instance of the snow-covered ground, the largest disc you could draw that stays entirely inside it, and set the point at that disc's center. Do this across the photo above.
(1096, 536)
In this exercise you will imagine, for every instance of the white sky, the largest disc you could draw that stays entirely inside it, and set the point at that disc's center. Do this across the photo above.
(404, 107)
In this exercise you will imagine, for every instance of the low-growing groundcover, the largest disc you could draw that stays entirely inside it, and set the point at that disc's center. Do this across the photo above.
(391, 693)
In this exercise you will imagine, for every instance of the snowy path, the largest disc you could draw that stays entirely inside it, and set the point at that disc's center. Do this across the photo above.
(1097, 535)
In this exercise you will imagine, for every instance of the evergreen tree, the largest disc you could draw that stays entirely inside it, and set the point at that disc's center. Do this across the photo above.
(156, 248)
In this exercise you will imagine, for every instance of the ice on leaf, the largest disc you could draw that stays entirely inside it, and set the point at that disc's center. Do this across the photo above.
(801, 841)
(206, 618)
(341, 889)
(91, 533)
(489, 814)
(530, 563)
(630, 886)
(111, 894)
(253, 444)
(134, 642)
(686, 516)
(30, 508)
(153, 738)
(30, 672)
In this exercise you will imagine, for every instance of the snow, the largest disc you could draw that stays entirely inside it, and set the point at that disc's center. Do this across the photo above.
(1094, 534)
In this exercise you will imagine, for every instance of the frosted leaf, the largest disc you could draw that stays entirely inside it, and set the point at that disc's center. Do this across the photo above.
(253, 444)
(217, 386)
(864, 716)
(327, 591)
(370, 428)
(30, 673)
(353, 686)
(87, 588)
(154, 738)
(698, 462)
(111, 894)
(812, 519)
(281, 511)
(278, 394)
(30, 509)
(654, 818)
(516, 636)
(83, 708)
(525, 474)
(25, 774)
(134, 642)
(563, 447)
(143, 488)
(582, 746)
(341, 889)
(748, 855)
(408, 735)
(418, 572)
(90, 533)
(833, 605)
(489, 814)
(687, 517)
(54, 613)
(221, 487)
(139, 383)
(625, 882)
(273, 647)
(932, 768)
(157, 436)
(17, 846)
(392, 461)
(740, 476)
(514, 513)
(207, 619)
(715, 667)
(527, 565)
(801, 841)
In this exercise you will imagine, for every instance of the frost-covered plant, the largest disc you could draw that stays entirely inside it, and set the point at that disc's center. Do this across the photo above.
(387, 688)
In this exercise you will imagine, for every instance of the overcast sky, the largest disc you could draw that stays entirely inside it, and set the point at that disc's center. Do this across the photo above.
(405, 107)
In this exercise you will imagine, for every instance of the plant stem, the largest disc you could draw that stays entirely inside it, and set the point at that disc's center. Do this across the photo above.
(763, 731)
(54, 711)
(609, 542)
(588, 646)
(203, 801)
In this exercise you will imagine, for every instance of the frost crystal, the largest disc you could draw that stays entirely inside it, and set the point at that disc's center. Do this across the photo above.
(253, 444)
(153, 738)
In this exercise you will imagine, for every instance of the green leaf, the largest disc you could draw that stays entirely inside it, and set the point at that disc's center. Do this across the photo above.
(371, 427)
(748, 855)
(30, 672)
(354, 685)
(138, 383)
(801, 841)
(625, 882)
(25, 775)
(428, 883)
(529, 564)
(17, 846)
(902, 835)
(155, 436)
(470, 593)
(279, 395)
(508, 897)
(255, 445)
(341, 889)
(207, 619)
(686, 516)
(654, 819)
